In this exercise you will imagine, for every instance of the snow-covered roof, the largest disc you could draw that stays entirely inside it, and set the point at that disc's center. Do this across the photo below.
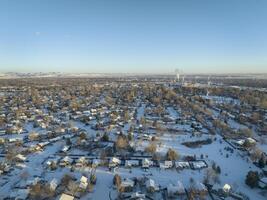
(19, 194)
(96, 161)
(150, 183)
(82, 159)
(264, 180)
(138, 195)
(115, 160)
(67, 159)
(175, 189)
(83, 182)
(200, 187)
(226, 188)
(198, 164)
(83, 179)
(131, 162)
(181, 164)
(53, 184)
(20, 157)
(127, 183)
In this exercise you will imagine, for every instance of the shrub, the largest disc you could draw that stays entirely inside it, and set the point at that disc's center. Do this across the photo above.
(252, 179)
(151, 148)
(105, 138)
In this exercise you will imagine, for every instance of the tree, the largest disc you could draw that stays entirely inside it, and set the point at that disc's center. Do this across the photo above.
(255, 154)
(121, 142)
(66, 179)
(245, 132)
(211, 176)
(68, 142)
(218, 169)
(83, 136)
(73, 187)
(105, 138)
(151, 148)
(126, 116)
(143, 121)
(93, 178)
(262, 161)
(252, 179)
(117, 180)
(130, 136)
(172, 155)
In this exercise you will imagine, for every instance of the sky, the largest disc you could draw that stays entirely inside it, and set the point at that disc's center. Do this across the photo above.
(133, 36)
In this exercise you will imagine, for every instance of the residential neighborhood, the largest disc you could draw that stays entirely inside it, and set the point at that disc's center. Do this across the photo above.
(131, 138)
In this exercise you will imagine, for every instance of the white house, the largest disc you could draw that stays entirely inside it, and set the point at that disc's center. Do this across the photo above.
(226, 188)
(113, 162)
(146, 163)
(151, 185)
(53, 184)
(166, 165)
(182, 164)
(20, 158)
(127, 185)
(131, 163)
(83, 182)
(66, 161)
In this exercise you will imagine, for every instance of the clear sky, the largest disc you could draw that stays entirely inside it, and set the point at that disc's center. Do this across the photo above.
(144, 36)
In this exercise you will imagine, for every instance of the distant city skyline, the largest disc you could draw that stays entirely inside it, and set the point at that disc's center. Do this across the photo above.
(79, 36)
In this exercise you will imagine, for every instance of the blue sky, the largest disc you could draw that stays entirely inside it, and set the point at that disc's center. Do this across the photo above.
(134, 36)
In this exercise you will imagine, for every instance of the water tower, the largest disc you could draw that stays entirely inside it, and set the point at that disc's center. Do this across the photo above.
(177, 72)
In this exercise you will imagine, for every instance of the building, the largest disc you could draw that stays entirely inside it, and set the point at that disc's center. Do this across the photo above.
(175, 190)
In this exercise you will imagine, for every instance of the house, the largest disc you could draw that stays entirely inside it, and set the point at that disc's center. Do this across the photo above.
(65, 148)
(174, 190)
(33, 136)
(52, 163)
(239, 142)
(181, 165)
(5, 167)
(199, 164)
(113, 162)
(132, 163)
(66, 197)
(200, 188)
(226, 188)
(53, 184)
(166, 165)
(263, 183)
(96, 162)
(151, 186)
(66, 161)
(20, 158)
(43, 144)
(242, 142)
(20, 165)
(127, 185)
(251, 141)
(33, 181)
(19, 194)
(15, 140)
(146, 163)
(81, 162)
(137, 195)
(83, 183)
(2, 140)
